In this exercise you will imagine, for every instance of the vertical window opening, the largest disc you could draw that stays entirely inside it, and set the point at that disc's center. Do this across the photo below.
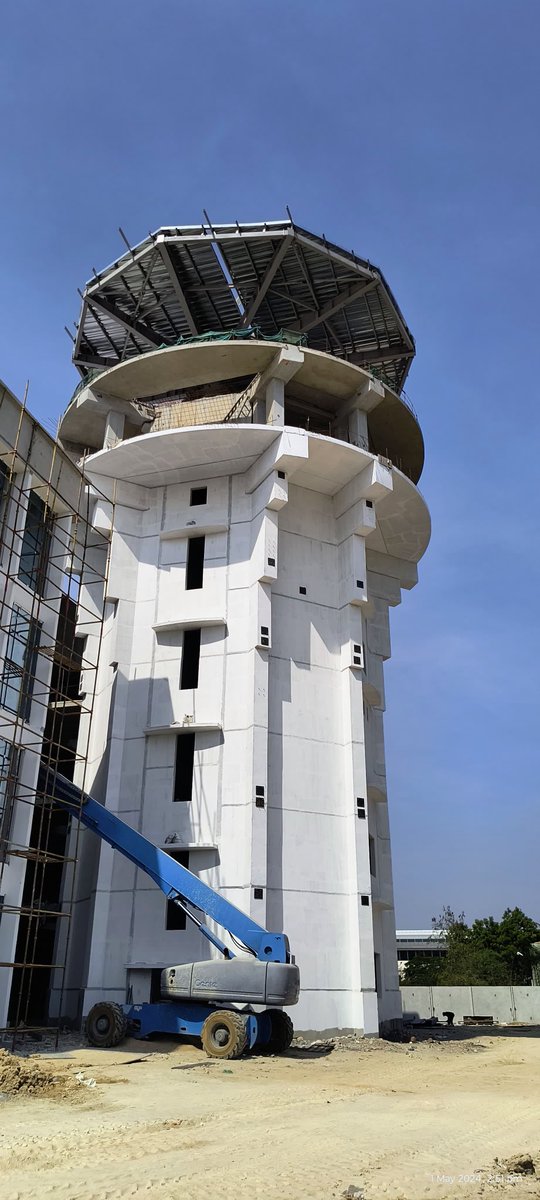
(35, 544)
(378, 980)
(18, 675)
(175, 916)
(372, 857)
(183, 771)
(195, 563)
(191, 652)
(9, 767)
(198, 496)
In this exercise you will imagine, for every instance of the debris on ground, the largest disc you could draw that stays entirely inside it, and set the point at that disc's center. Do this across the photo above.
(353, 1192)
(520, 1164)
(28, 1076)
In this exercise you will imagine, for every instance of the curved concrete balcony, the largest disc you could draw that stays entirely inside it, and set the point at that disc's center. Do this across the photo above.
(318, 395)
(309, 460)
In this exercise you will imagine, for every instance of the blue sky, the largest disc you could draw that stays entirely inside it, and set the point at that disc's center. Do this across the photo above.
(406, 130)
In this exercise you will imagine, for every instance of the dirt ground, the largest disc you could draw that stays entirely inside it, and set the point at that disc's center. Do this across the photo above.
(430, 1119)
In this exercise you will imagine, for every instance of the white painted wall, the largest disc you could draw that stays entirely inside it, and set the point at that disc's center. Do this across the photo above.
(298, 718)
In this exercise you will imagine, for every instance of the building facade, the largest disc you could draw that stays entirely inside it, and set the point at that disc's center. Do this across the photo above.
(44, 535)
(241, 411)
(419, 943)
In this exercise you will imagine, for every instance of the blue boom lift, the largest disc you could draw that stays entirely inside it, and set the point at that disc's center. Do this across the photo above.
(216, 1000)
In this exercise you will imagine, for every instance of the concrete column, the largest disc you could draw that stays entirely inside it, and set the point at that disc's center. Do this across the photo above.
(114, 429)
(275, 402)
(358, 428)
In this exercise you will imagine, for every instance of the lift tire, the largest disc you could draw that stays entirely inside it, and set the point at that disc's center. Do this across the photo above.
(282, 1032)
(224, 1034)
(106, 1024)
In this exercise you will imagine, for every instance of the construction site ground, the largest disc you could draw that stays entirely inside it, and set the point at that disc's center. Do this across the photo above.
(444, 1116)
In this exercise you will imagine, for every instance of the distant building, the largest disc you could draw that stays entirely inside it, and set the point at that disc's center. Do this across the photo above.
(419, 943)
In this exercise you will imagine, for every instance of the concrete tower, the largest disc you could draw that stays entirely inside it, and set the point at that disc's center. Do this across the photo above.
(241, 406)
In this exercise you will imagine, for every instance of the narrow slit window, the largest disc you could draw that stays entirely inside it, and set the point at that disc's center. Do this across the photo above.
(198, 496)
(176, 916)
(372, 857)
(191, 652)
(195, 563)
(183, 771)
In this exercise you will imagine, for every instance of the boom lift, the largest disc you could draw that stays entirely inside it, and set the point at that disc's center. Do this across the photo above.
(214, 999)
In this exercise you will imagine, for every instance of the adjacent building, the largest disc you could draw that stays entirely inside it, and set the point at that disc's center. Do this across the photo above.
(44, 539)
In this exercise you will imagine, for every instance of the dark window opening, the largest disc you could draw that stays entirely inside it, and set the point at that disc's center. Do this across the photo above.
(361, 808)
(378, 980)
(259, 801)
(369, 503)
(281, 474)
(358, 657)
(271, 562)
(365, 901)
(9, 769)
(372, 857)
(258, 893)
(195, 563)
(176, 916)
(5, 479)
(198, 496)
(18, 675)
(35, 544)
(303, 591)
(183, 771)
(191, 652)
(265, 635)
(360, 583)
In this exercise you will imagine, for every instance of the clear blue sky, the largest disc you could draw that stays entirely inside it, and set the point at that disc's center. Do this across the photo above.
(408, 131)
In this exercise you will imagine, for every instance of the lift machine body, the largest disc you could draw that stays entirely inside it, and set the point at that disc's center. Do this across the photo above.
(234, 1003)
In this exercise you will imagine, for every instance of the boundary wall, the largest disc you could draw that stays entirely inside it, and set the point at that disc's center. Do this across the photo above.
(504, 1004)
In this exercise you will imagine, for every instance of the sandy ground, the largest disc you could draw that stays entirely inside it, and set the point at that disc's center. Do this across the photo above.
(433, 1119)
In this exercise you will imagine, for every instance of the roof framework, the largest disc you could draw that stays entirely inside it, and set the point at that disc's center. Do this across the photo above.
(192, 280)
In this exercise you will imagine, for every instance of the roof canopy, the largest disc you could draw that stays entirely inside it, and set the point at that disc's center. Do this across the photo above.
(188, 282)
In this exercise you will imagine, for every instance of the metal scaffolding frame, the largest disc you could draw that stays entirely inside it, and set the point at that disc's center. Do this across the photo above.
(58, 615)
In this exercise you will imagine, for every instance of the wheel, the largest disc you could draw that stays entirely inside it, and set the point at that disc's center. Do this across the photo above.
(282, 1032)
(106, 1024)
(224, 1034)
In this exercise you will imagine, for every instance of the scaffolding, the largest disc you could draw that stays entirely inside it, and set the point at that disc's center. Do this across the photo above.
(53, 567)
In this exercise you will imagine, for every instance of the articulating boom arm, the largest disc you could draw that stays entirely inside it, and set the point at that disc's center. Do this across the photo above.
(175, 881)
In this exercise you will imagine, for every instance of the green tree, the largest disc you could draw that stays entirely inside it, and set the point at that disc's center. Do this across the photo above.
(466, 965)
(511, 939)
(488, 952)
(422, 972)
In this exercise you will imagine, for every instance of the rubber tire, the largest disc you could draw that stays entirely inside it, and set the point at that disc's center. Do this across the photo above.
(116, 1024)
(282, 1032)
(237, 1028)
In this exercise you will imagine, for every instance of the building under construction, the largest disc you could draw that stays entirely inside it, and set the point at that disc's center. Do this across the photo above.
(49, 648)
(249, 516)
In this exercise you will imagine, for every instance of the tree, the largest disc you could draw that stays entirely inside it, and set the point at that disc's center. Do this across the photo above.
(511, 939)
(488, 952)
(422, 972)
(469, 965)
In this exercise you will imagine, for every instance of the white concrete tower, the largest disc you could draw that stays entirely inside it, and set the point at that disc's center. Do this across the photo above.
(263, 518)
